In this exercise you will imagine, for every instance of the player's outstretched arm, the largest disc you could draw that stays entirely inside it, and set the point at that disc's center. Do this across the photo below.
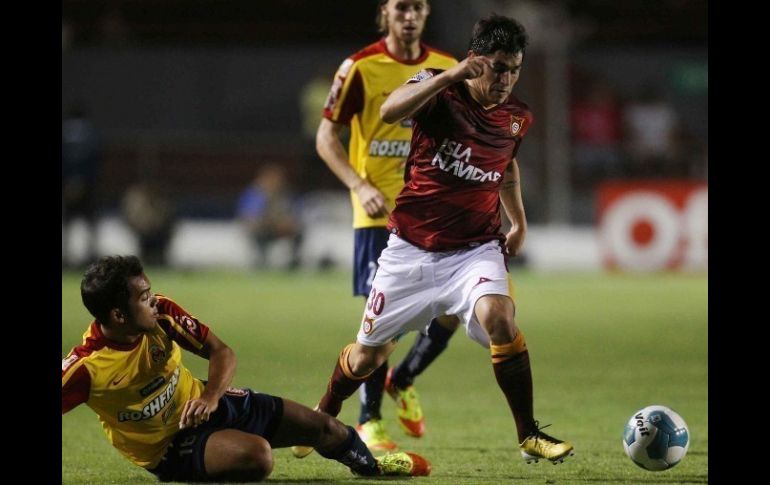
(222, 365)
(407, 99)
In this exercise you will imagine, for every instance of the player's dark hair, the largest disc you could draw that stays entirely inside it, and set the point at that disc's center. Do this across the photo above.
(498, 33)
(105, 285)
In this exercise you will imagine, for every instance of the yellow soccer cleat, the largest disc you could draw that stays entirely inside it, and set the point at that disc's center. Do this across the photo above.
(408, 407)
(404, 464)
(301, 451)
(375, 436)
(539, 446)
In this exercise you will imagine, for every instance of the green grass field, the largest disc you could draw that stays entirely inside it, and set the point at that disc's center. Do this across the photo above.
(602, 347)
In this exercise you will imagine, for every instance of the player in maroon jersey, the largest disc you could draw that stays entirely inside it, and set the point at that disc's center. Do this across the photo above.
(446, 254)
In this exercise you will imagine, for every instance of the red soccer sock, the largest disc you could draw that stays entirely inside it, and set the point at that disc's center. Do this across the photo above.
(342, 384)
(514, 376)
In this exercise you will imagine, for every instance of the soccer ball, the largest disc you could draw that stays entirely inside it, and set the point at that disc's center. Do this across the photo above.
(656, 438)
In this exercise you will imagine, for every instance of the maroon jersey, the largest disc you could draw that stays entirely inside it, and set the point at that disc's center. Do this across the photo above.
(459, 152)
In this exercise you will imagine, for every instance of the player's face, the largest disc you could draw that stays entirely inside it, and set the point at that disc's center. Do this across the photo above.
(406, 18)
(497, 83)
(142, 304)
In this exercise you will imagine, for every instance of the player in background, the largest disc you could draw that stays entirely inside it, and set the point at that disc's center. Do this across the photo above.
(129, 371)
(373, 170)
(446, 254)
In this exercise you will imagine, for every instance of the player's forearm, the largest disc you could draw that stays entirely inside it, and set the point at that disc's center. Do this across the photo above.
(514, 210)
(332, 152)
(222, 364)
(510, 197)
(407, 99)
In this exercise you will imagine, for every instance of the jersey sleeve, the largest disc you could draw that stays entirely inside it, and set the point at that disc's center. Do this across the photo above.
(75, 382)
(346, 96)
(181, 326)
(421, 76)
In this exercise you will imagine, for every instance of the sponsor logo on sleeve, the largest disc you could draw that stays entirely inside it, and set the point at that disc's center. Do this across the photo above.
(344, 68)
(420, 76)
(189, 324)
(66, 363)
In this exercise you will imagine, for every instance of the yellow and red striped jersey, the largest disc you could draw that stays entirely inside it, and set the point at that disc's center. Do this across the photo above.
(377, 150)
(138, 390)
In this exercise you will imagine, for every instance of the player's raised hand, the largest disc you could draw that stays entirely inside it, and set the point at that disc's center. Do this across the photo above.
(196, 411)
(470, 68)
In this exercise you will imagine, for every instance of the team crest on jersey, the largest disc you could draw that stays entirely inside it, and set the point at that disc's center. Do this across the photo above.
(517, 123)
(157, 354)
(368, 325)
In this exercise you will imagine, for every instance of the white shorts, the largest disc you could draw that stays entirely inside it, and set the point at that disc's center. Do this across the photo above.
(413, 286)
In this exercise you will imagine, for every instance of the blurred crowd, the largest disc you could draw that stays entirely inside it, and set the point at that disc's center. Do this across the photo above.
(616, 130)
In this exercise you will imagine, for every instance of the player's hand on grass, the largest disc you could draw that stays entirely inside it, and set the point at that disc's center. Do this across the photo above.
(197, 411)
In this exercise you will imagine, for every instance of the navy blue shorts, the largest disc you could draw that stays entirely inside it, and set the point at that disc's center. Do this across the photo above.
(368, 243)
(241, 409)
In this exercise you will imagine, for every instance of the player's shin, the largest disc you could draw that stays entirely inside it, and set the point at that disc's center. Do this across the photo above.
(354, 454)
(342, 384)
(371, 394)
(510, 362)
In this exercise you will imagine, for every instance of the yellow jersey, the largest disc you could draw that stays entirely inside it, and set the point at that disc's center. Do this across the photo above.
(377, 150)
(138, 390)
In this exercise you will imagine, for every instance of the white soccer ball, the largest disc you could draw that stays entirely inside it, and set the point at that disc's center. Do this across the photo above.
(656, 438)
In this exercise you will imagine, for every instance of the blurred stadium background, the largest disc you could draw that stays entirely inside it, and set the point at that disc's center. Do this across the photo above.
(171, 108)
(179, 104)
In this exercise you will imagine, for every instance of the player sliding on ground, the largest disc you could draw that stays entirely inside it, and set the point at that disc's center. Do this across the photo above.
(129, 371)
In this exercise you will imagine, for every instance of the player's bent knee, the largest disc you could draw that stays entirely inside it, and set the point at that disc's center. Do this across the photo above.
(235, 456)
(365, 360)
(258, 460)
(500, 327)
